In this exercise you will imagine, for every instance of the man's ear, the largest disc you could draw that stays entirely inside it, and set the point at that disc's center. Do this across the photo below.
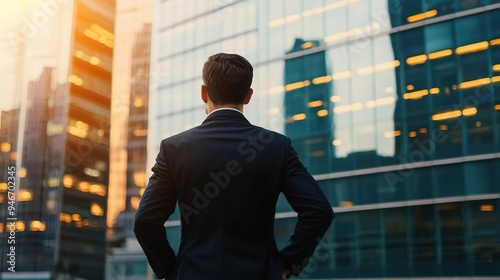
(249, 96)
(204, 93)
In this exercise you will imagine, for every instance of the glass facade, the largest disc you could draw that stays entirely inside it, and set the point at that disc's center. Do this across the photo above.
(55, 133)
(394, 106)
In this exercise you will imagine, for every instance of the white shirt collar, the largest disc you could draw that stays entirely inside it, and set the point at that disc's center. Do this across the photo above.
(224, 108)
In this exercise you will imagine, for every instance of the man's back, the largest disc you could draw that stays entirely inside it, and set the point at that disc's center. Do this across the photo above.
(226, 176)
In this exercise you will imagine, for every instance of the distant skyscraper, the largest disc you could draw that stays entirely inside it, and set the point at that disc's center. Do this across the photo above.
(129, 135)
(63, 130)
(137, 135)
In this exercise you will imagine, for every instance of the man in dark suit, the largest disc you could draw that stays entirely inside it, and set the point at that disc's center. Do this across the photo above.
(226, 175)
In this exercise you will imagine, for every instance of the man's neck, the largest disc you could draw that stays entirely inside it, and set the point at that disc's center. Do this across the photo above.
(212, 107)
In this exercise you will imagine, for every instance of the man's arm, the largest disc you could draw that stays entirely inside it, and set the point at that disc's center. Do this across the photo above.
(156, 206)
(314, 214)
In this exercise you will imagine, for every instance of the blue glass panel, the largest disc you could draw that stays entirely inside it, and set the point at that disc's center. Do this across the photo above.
(485, 236)
(449, 180)
(396, 242)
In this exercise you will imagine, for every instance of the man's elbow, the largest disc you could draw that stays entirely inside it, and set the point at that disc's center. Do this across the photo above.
(139, 224)
(327, 215)
(331, 214)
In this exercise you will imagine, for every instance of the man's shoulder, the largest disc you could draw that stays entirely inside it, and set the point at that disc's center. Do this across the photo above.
(269, 131)
(258, 131)
(270, 135)
(186, 134)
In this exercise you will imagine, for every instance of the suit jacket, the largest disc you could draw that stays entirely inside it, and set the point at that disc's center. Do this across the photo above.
(226, 175)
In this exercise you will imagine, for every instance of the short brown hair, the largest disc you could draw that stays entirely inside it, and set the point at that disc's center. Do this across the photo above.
(228, 78)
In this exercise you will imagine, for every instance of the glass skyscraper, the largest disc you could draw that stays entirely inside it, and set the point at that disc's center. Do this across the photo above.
(56, 73)
(393, 105)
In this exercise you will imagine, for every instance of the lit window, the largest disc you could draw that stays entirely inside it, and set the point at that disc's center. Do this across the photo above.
(84, 186)
(391, 134)
(341, 75)
(64, 217)
(78, 129)
(98, 189)
(336, 142)
(434, 90)
(91, 172)
(471, 111)
(480, 46)
(315, 103)
(134, 202)
(348, 108)
(415, 60)
(68, 181)
(487, 208)
(25, 195)
(94, 60)
(475, 83)
(365, 70)
(422, 16)
(22, 172)
(387, 65)
(96, 210)
(5, 147)
(297, 85)
(440, 54)
(322, 113)
(307, 45)
(37, 226)
(20, 226)
(140, 178)
(74, 79)
(138, 102)
(299, 117)
(322, 80)
(76, 217)
(416, 94)
(97, 33)
(278, 89)
(446, 115)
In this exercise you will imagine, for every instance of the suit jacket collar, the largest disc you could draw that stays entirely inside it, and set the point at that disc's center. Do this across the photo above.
(220, 114)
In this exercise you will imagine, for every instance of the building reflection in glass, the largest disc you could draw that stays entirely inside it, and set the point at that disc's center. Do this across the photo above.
(308, 107)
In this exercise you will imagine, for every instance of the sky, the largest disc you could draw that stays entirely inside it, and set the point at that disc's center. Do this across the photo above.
(34, 25)
(11, 13)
